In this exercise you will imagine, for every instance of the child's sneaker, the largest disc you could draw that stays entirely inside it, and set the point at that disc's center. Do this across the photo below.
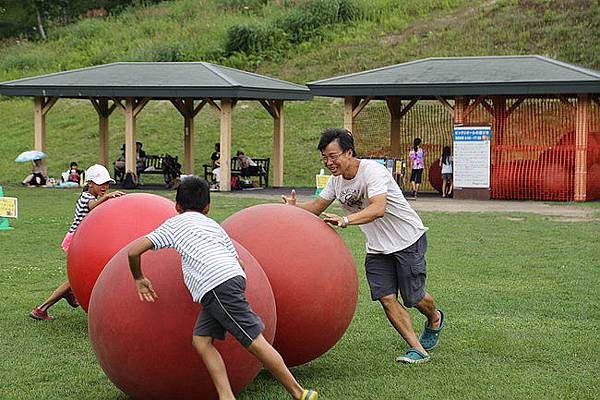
(39, 314)
(309, 395)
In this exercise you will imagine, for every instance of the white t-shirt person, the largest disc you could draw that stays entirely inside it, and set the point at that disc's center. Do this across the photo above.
(400, 226)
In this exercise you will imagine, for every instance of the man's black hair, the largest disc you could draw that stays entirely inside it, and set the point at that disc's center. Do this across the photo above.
(193, 194)
(343, 136)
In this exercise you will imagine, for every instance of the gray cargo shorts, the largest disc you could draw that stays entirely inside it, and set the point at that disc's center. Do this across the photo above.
(403, 271)
(225, 309)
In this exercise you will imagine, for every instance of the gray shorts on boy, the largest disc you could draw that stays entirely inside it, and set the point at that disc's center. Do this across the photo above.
(225, 309)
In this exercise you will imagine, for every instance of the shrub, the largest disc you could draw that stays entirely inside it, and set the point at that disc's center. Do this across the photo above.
(253, 38)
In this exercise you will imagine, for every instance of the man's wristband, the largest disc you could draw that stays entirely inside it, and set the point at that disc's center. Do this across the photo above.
(346, 222)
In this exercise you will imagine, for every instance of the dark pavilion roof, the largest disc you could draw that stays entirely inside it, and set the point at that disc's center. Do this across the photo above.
(464, 76)
(157, 80)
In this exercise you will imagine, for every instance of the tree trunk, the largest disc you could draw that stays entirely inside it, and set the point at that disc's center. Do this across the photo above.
(40, 23)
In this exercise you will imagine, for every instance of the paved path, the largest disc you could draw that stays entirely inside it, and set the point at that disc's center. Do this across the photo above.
(430, 203)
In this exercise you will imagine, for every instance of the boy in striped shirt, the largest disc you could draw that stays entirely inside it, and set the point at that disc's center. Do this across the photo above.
(215, 278)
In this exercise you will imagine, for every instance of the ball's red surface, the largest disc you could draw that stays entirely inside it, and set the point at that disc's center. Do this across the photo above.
(106, 230)
(311, 271)
(146, 348)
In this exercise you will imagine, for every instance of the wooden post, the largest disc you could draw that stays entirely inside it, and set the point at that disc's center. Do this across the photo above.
(394, 105)
(130, 158)
(349, 102)
(41, 106)
(103, 132)
(459, 110)
(39, 124)
(581, 146)
(278, 140)
(188, 141)
(226, 108)
(103, 111)
(499, 119)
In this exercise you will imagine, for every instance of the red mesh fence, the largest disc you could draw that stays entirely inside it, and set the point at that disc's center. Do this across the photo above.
(593, 155)
(429, 120)
(533, 154)
(534, 157)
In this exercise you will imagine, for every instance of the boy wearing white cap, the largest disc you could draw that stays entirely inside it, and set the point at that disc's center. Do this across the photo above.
(95, 192)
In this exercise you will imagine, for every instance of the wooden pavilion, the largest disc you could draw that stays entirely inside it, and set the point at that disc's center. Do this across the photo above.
(519, 96)
(189, 86)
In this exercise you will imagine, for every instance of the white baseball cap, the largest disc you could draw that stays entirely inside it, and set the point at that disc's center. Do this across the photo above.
(98, 174)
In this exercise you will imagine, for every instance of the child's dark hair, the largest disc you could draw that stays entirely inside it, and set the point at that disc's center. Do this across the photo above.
(73, 164)
(343, 136)
(416, 143)
(193, 194)
(445, 154)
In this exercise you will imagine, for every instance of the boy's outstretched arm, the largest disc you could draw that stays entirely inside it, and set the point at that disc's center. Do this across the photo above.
(143, 284)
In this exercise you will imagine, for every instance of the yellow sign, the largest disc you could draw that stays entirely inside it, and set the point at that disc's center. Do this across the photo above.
(9, 207)
(321, 180)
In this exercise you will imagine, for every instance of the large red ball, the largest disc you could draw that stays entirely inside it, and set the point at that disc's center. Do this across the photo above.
(106, 230)
(146, 348)
(435, 175)
(312, 273)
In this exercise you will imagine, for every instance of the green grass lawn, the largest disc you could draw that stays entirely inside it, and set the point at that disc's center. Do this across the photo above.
(522, 300)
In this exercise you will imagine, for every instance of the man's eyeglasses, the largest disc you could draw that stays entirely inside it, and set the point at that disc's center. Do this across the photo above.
(331, 157)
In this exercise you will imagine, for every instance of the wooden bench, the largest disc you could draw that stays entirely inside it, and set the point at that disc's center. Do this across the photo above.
(153, 164)
(261, 171)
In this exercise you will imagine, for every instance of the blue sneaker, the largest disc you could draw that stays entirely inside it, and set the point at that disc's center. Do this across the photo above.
(430, 337)
(413, 356)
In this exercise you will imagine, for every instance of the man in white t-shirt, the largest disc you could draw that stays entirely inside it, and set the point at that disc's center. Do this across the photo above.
(396, 239)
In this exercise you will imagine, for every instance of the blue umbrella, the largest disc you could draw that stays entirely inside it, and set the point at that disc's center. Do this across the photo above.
(30, 156)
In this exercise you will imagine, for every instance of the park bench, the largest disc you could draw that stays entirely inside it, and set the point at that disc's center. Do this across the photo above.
(153, 164)
(261, 171)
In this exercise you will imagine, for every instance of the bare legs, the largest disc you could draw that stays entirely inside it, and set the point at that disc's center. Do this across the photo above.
(58, 294)
(400, 319)
(261, 349)
(446, 187)
(215, 366)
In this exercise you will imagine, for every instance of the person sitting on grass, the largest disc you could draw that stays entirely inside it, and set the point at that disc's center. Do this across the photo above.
(215, 278)
(95, 192)
(38, 176)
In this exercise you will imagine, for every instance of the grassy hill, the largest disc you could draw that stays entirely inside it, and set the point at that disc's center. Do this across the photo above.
(382, 32)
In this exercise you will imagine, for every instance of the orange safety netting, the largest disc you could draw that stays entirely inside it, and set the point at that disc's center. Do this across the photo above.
(532, 153)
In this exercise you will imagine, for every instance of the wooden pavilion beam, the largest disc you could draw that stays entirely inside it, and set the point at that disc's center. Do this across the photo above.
(460, 105)
(515, 105)
(394, 105)
(410, 105)
(499, 113)
(350, 103)
(445, 103)
(225, 140)
(278, 143)
(581, 146)
(188, 136)
(185, 106)
(41, 106)
(479, 100)
(104, 111)
(130, 136)
(565, 100)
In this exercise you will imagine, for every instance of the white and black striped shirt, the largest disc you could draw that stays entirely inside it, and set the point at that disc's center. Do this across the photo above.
(82, 208)
(208, 257)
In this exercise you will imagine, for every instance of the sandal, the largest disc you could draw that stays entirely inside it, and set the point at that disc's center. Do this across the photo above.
(413, 356)
(430, 336)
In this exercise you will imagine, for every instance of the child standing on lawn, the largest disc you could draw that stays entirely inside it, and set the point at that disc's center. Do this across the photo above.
(216, 279)
(94, 193)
